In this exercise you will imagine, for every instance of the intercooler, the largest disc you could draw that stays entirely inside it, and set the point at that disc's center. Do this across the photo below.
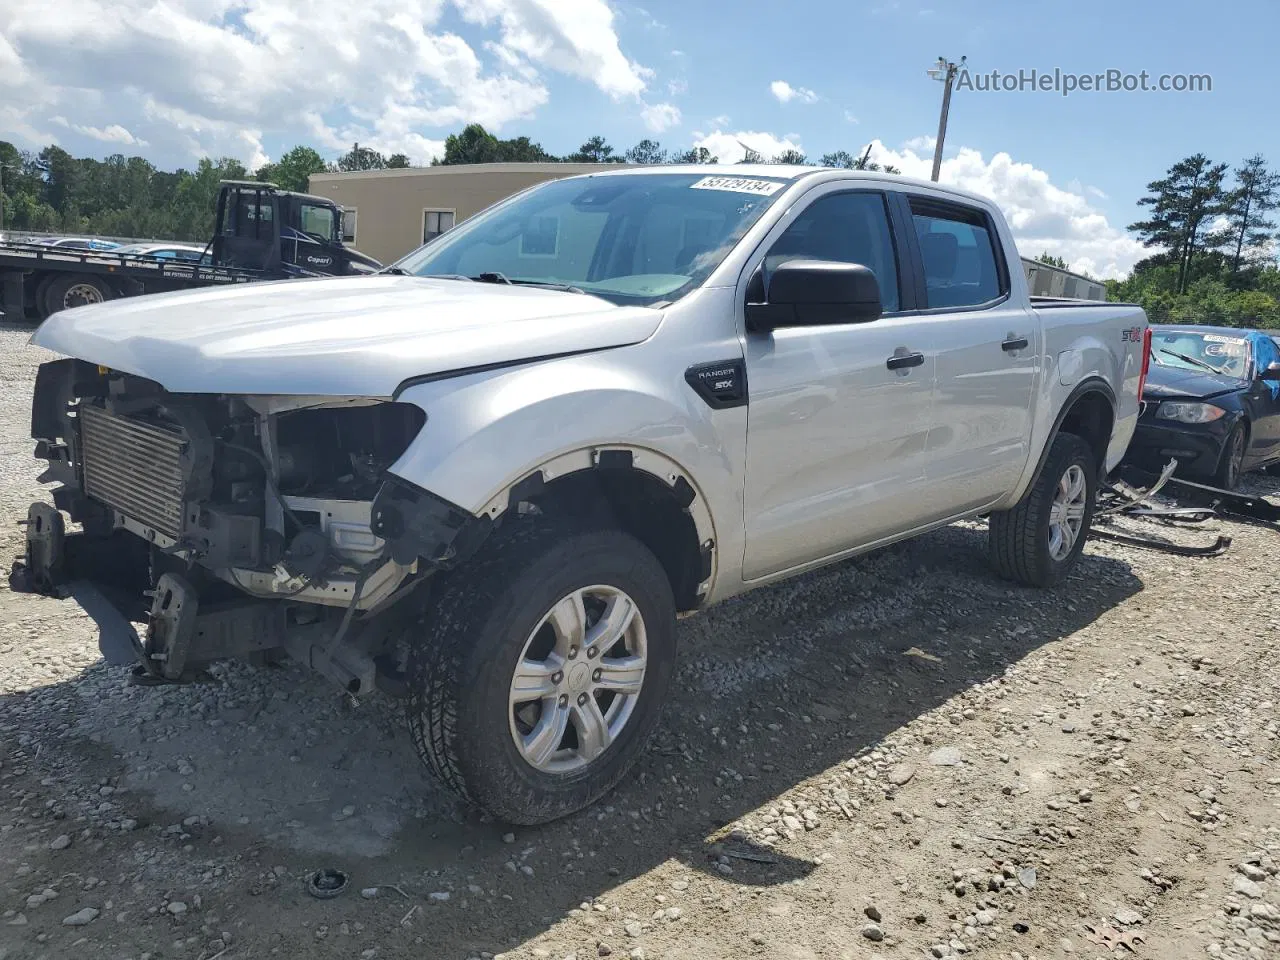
(134, 466)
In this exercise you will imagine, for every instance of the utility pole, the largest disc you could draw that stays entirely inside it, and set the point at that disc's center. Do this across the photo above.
(945, 71)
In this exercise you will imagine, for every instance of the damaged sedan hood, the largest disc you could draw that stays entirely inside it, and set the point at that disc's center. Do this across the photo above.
(336, 336)
(1165, 383)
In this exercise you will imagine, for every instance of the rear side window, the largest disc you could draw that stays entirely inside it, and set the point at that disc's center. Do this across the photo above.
(845, 227)
(962, 265)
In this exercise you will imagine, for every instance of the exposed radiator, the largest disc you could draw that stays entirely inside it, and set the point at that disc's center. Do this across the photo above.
(134, 466)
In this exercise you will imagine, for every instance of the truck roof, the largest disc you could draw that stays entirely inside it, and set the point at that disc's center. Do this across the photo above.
(782, 171)
(268, 187)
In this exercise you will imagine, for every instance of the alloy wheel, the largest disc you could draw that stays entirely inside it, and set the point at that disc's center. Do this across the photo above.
(578, 679)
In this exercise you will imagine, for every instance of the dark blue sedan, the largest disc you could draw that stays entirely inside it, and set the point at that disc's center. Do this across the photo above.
(1211, 401)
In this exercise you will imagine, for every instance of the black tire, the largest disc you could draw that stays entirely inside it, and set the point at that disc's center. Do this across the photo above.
(1231, 462)
(461, 663)
(68, 290)
(1019, 539)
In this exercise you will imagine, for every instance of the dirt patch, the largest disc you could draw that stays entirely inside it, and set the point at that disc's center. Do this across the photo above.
(900, 756)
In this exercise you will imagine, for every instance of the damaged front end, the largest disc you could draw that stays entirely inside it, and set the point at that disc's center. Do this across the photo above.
(255, 525)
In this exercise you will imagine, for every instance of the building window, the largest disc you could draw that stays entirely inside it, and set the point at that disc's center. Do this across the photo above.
(541, 237)
(348, 224)
(435, 222)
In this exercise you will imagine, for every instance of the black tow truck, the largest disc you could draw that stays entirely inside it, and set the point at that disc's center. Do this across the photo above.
(261, 233)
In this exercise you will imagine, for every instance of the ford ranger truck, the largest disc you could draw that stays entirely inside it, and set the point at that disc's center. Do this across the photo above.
(490, 478)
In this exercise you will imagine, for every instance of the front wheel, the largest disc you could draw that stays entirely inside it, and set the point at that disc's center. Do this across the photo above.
(541, 670)
(1231, 465)
(1039, 541)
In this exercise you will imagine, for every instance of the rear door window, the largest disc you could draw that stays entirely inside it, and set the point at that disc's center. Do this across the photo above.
(963, 266)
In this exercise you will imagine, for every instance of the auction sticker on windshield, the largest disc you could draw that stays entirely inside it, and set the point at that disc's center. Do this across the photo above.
(1217, 338)
(763, 188)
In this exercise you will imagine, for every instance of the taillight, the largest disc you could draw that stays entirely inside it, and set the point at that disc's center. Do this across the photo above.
(1146, 361)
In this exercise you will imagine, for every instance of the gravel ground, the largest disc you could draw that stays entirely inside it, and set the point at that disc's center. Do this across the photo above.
(900, 756)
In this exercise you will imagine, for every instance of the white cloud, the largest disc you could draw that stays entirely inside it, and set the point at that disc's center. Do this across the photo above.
(732, 147)
(849, 117)
(570, 36)
(720, 121)
(1043, 216)
(215, 77)
(785, 92)
(109, 134)
(921, 143)
(660, 116)
(678, 86)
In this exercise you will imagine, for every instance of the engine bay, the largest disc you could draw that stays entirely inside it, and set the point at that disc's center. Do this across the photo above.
(271, 496)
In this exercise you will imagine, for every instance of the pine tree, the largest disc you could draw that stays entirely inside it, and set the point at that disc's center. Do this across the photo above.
(647, 152)
(1183, 204)
(1257, 193)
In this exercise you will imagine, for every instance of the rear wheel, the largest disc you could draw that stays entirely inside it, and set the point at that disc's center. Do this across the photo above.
(1231, 464)
(540, 672)
(68, 290)
(1039, 541)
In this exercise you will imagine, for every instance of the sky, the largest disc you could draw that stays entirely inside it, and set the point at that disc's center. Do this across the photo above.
(174, 80)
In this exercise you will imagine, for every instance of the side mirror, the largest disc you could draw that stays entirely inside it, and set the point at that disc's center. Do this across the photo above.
(806, 293)
(1272, 372)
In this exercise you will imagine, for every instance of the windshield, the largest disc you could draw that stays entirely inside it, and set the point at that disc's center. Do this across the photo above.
(1206, 352)
(318, 221)
(630, 239)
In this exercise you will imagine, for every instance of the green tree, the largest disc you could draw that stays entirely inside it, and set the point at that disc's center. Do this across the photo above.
(477, 145)
(397, 161)
(361, 158)
(790, 156)
(1183, 203)
(647, 152)
(1053, 261)
(594, 150)
(695, 155)
(844, 160)
(293, 170)
(1247, 206)
(523, 150)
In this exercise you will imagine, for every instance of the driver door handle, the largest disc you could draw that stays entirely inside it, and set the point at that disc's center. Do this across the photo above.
(1014, 343)
(900, 361)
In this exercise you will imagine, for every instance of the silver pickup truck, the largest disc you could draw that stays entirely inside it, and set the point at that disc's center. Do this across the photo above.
(490, 479)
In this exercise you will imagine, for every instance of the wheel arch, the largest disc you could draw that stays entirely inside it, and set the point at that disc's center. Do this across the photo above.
(639, 490)
(1089, 412)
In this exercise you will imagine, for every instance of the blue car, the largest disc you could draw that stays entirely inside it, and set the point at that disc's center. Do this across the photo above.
(1211, 401)
(78, 243)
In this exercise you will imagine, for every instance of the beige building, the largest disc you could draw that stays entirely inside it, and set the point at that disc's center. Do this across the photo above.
(391, 212)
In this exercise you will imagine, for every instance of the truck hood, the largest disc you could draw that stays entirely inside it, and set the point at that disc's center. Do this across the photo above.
(336, 336)
(1176, 382)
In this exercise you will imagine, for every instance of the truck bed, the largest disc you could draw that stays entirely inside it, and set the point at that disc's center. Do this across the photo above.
(136, 274)
(34, 256)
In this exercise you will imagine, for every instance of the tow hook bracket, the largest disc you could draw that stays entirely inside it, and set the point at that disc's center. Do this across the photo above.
(46, 548)
(171, 626)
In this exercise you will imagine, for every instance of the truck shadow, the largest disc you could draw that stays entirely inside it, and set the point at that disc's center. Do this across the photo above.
(774, 688)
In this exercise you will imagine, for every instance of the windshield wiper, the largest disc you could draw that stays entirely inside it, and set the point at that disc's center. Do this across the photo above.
(1182, 356)
(548, 285)
(494, 277)
(1189, 360)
